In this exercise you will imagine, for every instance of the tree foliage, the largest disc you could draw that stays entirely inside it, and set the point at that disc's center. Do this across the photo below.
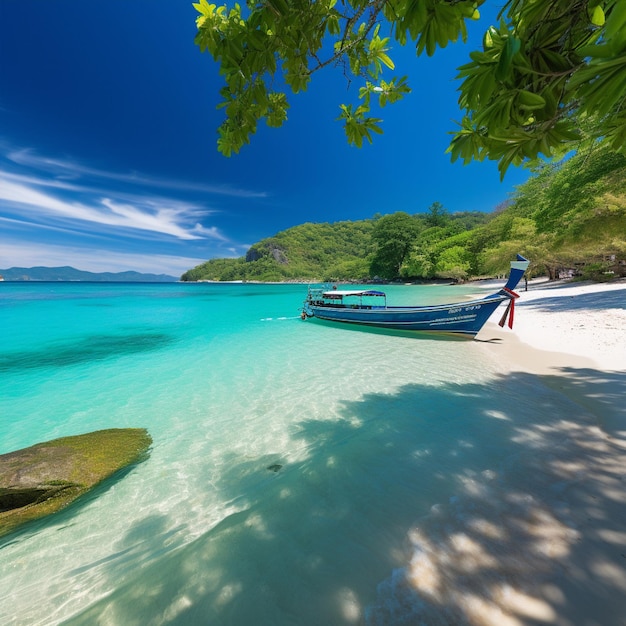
(394, 236)
(550, 74)
(437, 215)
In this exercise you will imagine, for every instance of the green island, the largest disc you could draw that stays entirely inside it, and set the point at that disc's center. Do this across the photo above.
(568, 217)
(46, 477)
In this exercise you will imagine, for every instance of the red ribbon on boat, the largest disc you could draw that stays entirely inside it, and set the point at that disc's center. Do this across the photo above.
(510, 307)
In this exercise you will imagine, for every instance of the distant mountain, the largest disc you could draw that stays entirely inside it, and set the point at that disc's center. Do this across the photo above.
(71, 274)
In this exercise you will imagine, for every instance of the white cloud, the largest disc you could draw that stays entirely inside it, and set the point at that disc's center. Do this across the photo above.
(155, 215)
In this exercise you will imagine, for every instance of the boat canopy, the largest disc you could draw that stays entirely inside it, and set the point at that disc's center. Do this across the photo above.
(336, 293)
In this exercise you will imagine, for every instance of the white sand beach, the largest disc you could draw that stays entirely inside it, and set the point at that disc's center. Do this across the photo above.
(542, 539)
(580, 320)
(562, 328)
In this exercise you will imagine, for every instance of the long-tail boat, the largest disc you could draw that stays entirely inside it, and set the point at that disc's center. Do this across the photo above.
(369, 307)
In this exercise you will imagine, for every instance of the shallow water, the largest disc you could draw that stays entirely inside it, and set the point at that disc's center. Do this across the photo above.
(291, 460)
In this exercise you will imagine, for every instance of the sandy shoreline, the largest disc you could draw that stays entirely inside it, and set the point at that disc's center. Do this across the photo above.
(542, 539)
(584, 320)
(564, 328)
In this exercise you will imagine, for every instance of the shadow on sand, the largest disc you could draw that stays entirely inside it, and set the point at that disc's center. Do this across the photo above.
(613, 299)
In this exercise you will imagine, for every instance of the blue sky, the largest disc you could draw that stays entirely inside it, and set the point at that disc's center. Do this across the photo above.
(108, 157)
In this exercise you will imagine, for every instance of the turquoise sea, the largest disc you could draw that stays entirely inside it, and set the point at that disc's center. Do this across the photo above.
(374, 434)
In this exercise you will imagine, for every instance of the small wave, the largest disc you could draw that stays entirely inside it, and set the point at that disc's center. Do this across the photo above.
(279, 319)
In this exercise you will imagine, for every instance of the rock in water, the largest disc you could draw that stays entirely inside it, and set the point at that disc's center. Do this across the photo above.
(46, 477)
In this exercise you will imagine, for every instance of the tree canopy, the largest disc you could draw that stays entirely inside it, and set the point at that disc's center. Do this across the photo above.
(394, 236)
(550, 74)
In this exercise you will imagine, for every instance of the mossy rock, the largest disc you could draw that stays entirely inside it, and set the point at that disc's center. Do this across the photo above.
(46, 477)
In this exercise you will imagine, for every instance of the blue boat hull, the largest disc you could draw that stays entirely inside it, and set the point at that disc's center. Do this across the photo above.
(465, 318)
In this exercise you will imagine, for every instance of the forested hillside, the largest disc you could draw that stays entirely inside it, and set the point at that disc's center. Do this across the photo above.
(309, 251)
(570, 215)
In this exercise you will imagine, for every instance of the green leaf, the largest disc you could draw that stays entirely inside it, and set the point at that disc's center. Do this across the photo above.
(530, 101)
(333, 26)
(597, 16)
(386, 60)
(511, 48)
